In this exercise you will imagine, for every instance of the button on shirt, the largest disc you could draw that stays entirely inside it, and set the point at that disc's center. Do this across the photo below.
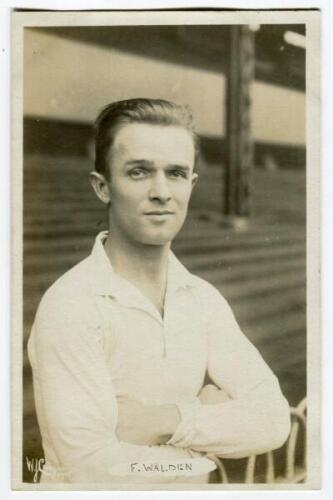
(96, 337)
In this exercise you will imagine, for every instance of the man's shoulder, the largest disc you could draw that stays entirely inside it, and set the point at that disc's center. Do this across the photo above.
(208, 293)
(67, 313)
(76, 278)
(70, 292)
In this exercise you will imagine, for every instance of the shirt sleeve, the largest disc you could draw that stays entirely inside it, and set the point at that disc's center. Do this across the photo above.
(257, 418)
(75, 399)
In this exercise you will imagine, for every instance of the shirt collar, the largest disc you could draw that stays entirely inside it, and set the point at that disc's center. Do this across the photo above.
(105, 281)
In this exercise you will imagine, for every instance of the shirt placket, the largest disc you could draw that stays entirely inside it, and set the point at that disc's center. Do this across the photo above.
(148, 308)
(167, 322)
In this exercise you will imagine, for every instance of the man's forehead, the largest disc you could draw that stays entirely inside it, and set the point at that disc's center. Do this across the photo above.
(151, 139)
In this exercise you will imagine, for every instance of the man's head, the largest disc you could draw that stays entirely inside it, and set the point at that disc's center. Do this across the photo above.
(145, 156)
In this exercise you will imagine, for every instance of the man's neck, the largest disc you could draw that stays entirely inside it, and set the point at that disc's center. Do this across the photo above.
(145, 266)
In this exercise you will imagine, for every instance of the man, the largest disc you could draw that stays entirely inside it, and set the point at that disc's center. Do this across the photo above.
(122, 342)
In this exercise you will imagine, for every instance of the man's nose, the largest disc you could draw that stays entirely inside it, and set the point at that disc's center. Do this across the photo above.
(159, 189)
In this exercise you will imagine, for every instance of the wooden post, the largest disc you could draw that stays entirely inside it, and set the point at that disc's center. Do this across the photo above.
(239, 158)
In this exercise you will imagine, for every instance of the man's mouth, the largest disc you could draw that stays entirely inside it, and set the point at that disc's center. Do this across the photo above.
(159, 212)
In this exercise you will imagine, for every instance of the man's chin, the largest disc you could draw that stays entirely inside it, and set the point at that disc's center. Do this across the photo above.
(157, 236)
(158, 239)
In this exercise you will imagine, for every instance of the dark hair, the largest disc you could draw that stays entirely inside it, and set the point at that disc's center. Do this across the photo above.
(139, 110)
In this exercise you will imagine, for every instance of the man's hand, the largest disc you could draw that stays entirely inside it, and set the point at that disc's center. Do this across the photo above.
(212, 395)
(143, 424)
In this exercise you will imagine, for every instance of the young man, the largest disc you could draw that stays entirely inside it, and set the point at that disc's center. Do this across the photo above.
(122, 342)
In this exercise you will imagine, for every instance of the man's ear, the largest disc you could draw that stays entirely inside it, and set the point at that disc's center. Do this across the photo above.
(195, 178)
(101, 186)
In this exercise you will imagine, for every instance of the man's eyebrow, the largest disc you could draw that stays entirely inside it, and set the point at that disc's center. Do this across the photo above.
(142, 162)
(186, 168)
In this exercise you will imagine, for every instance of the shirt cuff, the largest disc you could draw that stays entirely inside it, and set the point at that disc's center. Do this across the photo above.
(186, 428)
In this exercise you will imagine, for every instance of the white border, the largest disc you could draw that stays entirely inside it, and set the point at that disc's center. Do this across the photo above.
(327, 196)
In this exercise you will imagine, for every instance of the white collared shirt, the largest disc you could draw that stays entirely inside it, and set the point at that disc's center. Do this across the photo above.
(96, 337)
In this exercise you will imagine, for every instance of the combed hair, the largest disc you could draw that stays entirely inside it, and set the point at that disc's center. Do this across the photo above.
(139, 110)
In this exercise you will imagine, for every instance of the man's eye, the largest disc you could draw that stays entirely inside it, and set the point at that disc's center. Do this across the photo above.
(178, 173)
(138, 173)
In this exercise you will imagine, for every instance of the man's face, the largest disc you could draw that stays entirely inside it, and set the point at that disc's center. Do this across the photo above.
(151, 180)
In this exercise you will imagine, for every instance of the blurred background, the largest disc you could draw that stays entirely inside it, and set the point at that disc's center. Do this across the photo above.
(246, 227)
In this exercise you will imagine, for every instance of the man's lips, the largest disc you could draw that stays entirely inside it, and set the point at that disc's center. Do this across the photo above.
(159, 212)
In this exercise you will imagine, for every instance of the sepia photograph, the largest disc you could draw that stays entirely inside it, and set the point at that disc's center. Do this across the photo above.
(166, 186)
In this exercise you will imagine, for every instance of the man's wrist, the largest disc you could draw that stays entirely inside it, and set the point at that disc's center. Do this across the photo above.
(184, 432)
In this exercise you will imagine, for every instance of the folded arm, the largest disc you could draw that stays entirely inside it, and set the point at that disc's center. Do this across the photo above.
(256, 417)
(155, 424)
(146, 424)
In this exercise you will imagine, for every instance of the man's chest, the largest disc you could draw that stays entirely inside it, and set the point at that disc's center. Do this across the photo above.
(155, 358)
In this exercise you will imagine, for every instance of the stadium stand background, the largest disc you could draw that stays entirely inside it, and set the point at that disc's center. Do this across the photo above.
(70, 73)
